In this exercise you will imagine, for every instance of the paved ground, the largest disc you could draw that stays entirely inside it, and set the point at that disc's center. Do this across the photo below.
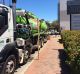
(24, 67)
(51, 60)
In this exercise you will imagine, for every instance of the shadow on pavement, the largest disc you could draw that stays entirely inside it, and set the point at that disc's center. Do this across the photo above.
(64, 67)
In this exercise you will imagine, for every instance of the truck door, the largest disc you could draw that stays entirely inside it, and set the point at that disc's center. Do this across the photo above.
(4, 34)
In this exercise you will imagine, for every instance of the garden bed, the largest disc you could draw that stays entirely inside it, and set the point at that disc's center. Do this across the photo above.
(71, 42)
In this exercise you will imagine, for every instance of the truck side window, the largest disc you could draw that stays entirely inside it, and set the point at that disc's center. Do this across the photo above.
(3, 22)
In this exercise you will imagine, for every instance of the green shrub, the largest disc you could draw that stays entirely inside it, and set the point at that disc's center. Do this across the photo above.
(71, 41)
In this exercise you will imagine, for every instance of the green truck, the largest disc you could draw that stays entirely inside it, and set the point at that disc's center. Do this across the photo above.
(29, 27)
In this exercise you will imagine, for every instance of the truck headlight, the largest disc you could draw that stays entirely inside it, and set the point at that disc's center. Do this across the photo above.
(20, 42)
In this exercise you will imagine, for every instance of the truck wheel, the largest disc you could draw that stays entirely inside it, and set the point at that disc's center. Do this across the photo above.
(29, 49)
(27, 54)
(10, 65)
(25, 58)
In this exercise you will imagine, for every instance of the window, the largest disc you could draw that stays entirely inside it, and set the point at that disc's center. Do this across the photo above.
(73, 7)
(3, 20)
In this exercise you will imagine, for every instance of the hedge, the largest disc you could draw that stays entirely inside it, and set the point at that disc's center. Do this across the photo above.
(71, 41)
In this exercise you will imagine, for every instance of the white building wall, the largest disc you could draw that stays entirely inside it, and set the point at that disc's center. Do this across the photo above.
(64, 18)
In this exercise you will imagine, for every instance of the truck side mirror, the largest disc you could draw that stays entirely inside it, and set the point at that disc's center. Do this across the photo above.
(3, 11)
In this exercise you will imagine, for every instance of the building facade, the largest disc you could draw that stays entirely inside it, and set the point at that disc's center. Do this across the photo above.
(68, 21)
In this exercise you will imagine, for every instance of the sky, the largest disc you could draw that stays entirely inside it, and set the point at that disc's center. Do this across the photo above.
(44, 9)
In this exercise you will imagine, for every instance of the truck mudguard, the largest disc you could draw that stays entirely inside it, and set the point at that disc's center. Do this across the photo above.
(8, 50)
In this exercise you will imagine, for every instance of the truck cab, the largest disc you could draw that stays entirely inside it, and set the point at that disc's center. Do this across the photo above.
(6, 26)
(6, 39)
(12, 50)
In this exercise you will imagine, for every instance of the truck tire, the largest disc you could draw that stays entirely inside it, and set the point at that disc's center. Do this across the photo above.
(10, 65)
(26, 55)
(25, 58)
(29, 49)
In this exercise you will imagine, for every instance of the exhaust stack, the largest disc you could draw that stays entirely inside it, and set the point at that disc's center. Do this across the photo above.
(14, 16)
(14, 12)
